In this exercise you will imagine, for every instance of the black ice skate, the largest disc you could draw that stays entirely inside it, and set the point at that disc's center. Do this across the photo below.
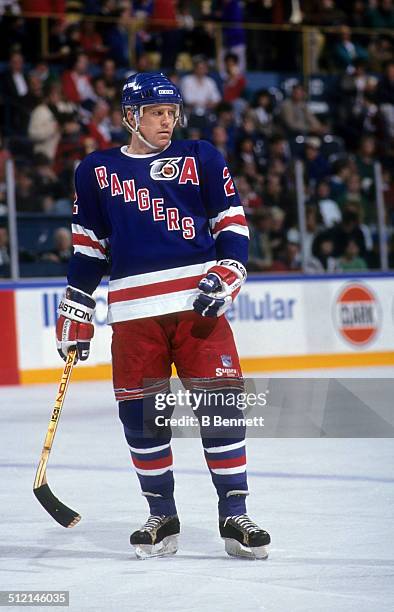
(158, 537)
(243, 538)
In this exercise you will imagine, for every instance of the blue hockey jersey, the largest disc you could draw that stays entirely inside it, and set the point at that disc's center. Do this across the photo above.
(156, 223)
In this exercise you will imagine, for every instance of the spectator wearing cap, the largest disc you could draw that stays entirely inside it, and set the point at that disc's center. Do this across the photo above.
(296, 117)
(316, 165)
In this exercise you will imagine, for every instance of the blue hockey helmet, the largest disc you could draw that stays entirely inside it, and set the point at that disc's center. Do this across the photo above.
(145, 88)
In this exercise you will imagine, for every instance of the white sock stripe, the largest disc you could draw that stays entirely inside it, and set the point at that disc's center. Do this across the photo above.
(158, 472)
(231, 470)
(146, 451)
(224, 449)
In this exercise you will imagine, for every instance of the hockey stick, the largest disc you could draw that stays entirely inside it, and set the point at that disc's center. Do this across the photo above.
(61, 513)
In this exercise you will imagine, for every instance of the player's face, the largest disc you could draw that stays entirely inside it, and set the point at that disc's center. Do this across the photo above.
(157, 123)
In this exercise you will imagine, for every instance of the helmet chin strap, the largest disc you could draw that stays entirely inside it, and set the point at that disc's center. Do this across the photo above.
(137, 130)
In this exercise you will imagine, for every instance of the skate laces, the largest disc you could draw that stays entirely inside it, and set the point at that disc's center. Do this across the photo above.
(244, 522)
(152, 524)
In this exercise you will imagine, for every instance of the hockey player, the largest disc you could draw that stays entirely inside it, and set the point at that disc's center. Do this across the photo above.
(165, 220)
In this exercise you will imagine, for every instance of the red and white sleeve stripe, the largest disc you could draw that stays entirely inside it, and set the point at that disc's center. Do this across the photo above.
(86, 242)
(230, 220)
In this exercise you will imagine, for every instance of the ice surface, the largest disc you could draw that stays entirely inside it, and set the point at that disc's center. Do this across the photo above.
(328, 504)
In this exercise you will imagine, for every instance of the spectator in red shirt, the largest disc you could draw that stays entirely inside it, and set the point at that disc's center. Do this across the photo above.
(234, 80)
(76, 82)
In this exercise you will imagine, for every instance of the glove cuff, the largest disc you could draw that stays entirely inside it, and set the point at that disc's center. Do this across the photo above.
(234, 266)
(77, 305)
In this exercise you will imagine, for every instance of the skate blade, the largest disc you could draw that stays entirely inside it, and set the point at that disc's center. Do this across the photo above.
(168, 546)
(236, 549)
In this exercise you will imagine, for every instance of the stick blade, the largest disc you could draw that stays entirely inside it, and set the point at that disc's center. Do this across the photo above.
(62, 514)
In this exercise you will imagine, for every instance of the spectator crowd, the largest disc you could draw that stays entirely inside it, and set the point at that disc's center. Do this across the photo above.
(61, 100)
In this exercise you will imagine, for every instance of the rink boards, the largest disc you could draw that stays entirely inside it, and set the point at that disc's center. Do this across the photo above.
(280, 323)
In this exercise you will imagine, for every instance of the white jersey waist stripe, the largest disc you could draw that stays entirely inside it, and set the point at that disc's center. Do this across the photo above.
(150, 278)
(151, 306)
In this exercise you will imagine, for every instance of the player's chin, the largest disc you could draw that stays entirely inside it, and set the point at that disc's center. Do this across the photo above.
(163, 139)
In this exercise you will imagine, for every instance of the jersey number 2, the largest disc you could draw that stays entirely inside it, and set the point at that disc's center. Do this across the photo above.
(229, 188)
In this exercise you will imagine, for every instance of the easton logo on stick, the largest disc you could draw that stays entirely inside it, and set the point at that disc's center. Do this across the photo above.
(357, 314)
